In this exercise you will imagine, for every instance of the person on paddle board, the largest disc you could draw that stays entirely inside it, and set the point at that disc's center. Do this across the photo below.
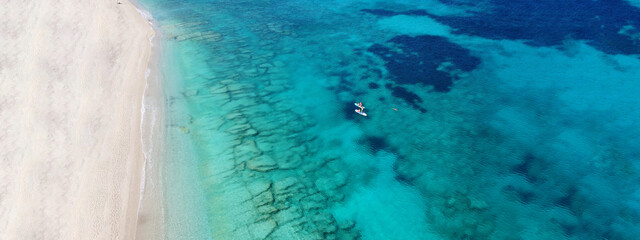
(361, 109)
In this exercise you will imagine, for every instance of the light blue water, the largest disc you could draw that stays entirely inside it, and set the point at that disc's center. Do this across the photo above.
(486, 120)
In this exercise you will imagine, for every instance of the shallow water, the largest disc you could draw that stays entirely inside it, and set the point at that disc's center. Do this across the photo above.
(518, 127)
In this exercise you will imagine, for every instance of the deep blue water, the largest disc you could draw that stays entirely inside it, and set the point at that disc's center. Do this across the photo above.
(546, 22)
(418, 58)
(486, 119)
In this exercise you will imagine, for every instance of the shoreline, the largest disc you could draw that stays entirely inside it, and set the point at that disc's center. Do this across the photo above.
(151, 135)
(150, 215)
(73, 134)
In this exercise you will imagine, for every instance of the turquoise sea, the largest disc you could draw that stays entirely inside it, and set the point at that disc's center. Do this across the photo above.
(490, 119)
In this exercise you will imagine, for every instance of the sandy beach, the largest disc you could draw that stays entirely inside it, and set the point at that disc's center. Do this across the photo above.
(72, 76)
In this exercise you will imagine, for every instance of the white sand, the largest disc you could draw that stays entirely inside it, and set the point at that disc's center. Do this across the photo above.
(72, 75)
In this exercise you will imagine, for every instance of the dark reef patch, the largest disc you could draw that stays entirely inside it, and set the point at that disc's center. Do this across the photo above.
(526, 168)
(375, 143)
(412, 60)
(409, 97)
(403, 179)
(389, 13)
(567, 200)
(373, 85)
(550, 22)
(380, 12)
(349, 112)
(458, 2)
(521, 195)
